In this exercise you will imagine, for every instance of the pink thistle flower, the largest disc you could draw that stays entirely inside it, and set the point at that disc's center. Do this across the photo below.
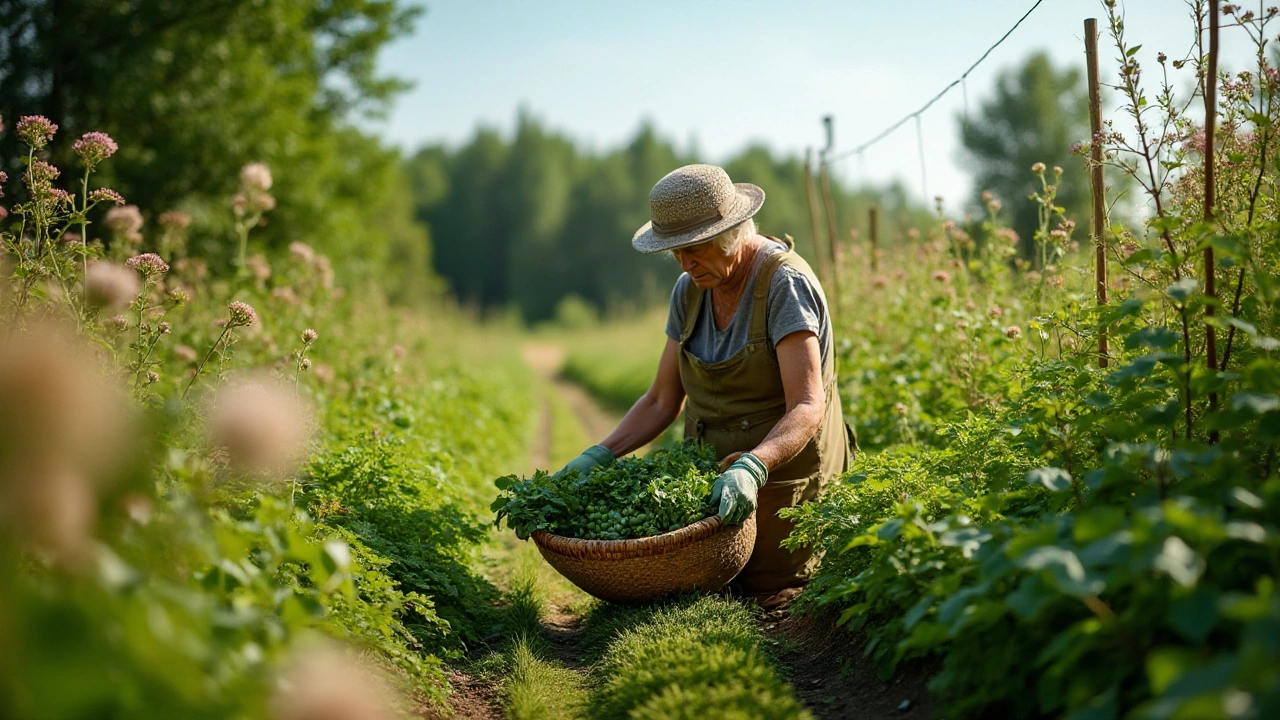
(40, 174)
(995, 205)
(285, 294)
(125, 222)
(309, 336)
(110, 286)
(1009, 235)
(4, 177)
(258, 267)
(148, 264)
(1059, 236)
(242, 314)
(36, 130)
(941, 276)
(60, 196)
(164, 328)
(260, 426)
(106, 195)
(995, 311)
(1037, 168)
(305, 364)
(325, 682)
(94, 147)
(1013, 332)
(152, 377)
(262, 202)
(302, 251)
(256, 176)
(175, 220)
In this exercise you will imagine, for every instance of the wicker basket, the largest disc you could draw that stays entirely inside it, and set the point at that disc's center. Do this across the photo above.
(703, 556)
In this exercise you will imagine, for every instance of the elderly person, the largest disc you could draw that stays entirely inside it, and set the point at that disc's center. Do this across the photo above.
(749, 358)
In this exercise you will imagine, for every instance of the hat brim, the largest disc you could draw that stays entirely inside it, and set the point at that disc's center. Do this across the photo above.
(748, 202)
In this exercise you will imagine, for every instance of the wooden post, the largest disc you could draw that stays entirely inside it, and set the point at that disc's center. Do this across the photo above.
(832, 236)
(1095, 176)
(815, 223)
(873, 230)
(1210, 284)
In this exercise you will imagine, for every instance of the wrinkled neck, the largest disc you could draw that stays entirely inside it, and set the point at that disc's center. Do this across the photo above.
(739, 271)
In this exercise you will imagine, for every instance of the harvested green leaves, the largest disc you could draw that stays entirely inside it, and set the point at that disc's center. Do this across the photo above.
(632, 498)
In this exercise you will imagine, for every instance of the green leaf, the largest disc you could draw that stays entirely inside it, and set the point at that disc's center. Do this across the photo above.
(1183, 289)
(1064, 568)
(339, 552)
(1052, 478)
(1133, 51)
(1254, 403)
(1164, 665)
(1156, 338)
(1179, 562)
(1194, 615)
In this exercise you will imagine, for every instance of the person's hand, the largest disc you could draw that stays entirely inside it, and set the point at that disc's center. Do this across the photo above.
(736, 488)
(592, 457)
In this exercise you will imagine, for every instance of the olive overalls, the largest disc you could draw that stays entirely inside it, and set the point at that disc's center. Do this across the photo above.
(735, 403)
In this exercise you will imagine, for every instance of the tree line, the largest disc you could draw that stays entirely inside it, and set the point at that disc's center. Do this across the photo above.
(194, 89)
(533, 220)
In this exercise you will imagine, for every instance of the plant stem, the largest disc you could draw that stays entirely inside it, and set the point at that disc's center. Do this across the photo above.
(226, 329)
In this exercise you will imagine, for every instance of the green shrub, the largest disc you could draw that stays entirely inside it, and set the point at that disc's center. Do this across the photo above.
(701, 653)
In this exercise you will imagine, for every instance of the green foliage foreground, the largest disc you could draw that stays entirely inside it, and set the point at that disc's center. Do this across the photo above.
(1069, 540)
(171, 542)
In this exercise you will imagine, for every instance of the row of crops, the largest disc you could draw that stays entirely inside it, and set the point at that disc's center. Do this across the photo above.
(1068, 539)
(246, 496)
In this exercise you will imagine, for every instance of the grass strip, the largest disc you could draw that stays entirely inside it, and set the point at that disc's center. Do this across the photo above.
(535, 686)
(692, 657)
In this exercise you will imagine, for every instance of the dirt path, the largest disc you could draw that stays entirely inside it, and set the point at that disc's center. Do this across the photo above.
(546, 360)
(833, 678)
(825, 664)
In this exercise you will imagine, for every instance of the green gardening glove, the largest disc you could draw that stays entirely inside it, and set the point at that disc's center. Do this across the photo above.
(592, 457)
(736, 488)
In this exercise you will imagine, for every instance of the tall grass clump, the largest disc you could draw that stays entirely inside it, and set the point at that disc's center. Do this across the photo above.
(689, 658)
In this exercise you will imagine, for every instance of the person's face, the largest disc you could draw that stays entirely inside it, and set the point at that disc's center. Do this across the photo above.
(706, 265)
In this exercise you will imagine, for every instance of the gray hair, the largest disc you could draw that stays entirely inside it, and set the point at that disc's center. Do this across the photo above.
(729, 241)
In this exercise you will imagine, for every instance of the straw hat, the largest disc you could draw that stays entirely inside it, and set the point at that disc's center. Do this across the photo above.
(693, 204)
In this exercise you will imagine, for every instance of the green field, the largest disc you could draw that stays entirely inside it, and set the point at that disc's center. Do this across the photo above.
(248, 450)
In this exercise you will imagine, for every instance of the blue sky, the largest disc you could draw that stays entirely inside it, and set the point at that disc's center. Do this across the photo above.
(718, 75)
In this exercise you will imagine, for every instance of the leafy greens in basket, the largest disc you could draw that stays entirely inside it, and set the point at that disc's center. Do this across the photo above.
(632, 498)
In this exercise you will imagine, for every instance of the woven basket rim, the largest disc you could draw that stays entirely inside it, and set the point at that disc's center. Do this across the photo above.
(633, 548)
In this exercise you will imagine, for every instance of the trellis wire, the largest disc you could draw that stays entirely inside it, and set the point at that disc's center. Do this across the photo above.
(916, 114)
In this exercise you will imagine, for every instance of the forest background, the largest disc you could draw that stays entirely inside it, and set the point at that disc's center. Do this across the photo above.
(532, 224)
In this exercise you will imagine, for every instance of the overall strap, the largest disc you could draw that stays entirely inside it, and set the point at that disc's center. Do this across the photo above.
(692, 307)
(759, 328)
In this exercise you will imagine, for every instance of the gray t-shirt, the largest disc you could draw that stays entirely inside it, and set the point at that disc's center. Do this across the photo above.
(794, 304)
